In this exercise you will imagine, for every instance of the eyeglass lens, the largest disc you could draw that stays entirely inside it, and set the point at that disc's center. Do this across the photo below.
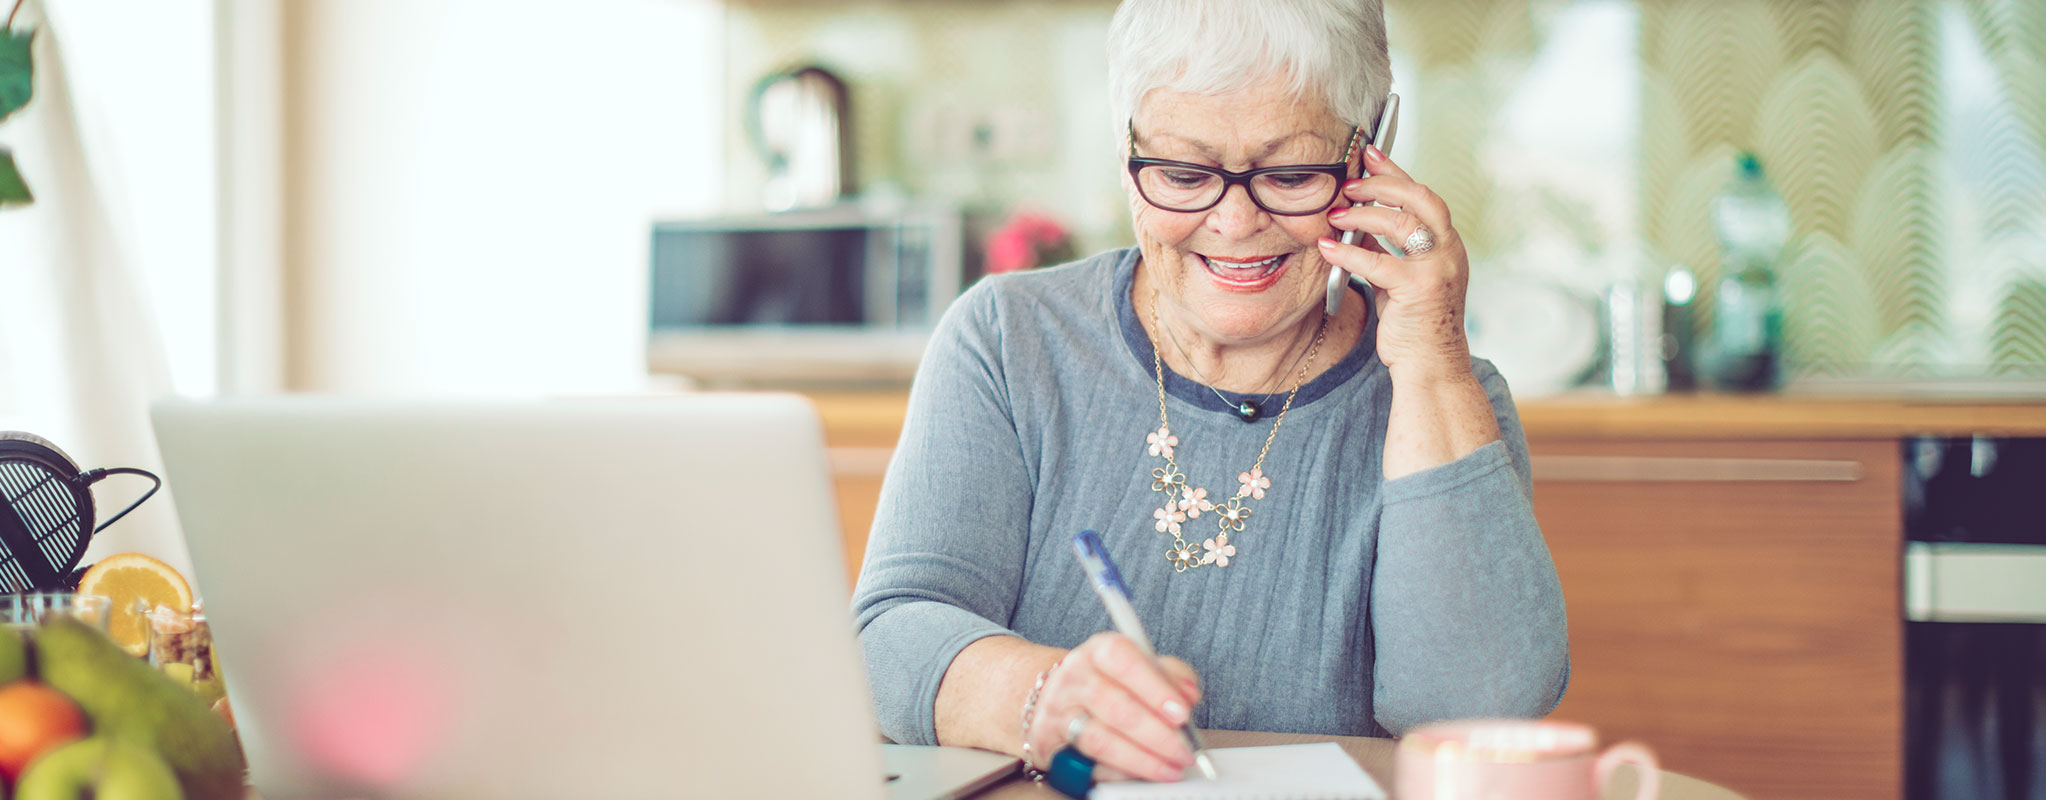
(1181, 189)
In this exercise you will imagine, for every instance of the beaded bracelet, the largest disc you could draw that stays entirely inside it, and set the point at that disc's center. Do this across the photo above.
(1029, 716)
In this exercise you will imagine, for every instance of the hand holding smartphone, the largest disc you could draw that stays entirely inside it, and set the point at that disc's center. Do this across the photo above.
(1381, 137)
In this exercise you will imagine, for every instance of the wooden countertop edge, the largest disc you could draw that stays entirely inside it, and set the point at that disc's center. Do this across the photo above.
(1775, 417)
(875, 417)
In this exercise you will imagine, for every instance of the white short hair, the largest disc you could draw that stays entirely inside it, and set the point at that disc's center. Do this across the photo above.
(1332, 51)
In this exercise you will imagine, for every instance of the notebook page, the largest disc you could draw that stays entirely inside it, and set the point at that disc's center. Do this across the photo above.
(1280, 772)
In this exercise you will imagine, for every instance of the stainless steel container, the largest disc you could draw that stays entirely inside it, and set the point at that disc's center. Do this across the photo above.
(799, 126)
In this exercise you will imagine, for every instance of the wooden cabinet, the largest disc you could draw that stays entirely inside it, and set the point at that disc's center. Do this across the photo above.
(860, 429)
(1736, 605)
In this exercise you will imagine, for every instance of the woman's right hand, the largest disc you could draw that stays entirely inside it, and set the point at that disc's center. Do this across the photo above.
(1133, 710)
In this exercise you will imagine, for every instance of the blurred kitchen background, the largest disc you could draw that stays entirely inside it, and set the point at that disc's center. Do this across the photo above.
(387, 196)
(1767, 276)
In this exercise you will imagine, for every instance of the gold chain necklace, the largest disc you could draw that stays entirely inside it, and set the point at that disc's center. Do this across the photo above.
(1247, 410)
(1183, 502)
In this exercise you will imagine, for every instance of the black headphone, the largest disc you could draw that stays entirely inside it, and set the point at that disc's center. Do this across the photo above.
(46, 513)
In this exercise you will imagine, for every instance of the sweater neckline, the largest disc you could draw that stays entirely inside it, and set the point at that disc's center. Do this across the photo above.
(1194, 393)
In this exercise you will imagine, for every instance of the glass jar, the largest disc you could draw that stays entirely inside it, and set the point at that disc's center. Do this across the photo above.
(181, 646)
(21, 611)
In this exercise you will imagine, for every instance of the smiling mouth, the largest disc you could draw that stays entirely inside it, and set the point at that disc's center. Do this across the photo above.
(1243, 272)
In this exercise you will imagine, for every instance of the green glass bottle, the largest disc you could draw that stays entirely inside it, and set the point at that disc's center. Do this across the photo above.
(1745, 349)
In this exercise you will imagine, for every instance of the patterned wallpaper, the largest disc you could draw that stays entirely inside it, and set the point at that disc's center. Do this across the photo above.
(1907, 136)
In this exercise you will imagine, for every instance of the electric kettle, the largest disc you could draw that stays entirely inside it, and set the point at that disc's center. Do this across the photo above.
(797, 121)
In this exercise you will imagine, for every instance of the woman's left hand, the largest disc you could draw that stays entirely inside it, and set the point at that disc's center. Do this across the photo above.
(1420, 297)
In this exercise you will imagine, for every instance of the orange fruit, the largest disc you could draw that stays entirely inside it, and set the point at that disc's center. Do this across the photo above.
(132, 580)
(34, 719)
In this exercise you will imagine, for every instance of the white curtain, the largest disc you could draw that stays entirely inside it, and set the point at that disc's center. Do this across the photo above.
(80, 356)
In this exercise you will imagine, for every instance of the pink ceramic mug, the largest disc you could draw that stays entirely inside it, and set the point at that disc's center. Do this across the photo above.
(1514, 759)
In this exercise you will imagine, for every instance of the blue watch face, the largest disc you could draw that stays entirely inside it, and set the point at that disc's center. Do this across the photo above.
(1094, 556)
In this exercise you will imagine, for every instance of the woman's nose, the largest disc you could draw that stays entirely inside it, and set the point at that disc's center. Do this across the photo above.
(1236, 216)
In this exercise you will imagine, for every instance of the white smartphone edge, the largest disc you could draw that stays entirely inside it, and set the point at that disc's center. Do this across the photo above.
(1381, 137)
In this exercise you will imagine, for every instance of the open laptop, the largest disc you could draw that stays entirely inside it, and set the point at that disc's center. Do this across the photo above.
(588, 598)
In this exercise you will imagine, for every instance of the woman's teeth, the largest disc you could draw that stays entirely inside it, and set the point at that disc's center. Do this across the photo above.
(1243, 271)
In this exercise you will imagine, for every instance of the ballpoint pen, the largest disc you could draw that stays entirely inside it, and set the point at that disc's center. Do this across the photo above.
(1115, 594)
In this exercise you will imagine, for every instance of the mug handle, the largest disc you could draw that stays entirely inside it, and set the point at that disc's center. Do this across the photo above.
(1634, 753)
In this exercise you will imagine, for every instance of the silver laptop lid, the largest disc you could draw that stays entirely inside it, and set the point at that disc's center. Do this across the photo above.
(563, 599)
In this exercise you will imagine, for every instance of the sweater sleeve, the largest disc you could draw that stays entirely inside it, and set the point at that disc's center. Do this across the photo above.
(943, 566)
(1466, 610)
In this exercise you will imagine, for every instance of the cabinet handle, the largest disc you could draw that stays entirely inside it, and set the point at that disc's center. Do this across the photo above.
(1653, 469)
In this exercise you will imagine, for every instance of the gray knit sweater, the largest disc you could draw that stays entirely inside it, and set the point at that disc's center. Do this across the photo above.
(1354, 605)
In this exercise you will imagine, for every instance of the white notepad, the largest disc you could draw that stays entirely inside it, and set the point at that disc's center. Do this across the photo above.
(1279, 772)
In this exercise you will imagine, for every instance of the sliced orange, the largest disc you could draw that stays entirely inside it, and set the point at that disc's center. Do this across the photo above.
(132, 581)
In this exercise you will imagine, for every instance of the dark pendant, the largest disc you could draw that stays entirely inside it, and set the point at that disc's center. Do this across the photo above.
(1249, 411)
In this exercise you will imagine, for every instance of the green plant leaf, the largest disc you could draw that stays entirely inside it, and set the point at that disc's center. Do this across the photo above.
(13, 190)
(16, 69)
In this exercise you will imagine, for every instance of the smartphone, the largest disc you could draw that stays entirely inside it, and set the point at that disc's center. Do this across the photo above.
(1381, 137)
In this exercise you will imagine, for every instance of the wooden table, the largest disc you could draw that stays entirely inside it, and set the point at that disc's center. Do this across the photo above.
(1376, 757)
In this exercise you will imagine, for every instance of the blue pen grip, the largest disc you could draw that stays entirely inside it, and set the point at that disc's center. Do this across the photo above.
(1072, 772)
(1087, 544)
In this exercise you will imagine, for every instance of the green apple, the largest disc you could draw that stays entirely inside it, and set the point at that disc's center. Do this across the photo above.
(180, 672)
(13, 655)
(209, 691)
(98, 768)
(128, 700)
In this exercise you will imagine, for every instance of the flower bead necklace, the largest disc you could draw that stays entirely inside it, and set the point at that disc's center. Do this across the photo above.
(1183, 502)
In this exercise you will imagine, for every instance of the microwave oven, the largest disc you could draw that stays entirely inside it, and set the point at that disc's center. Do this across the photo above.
(848, 292)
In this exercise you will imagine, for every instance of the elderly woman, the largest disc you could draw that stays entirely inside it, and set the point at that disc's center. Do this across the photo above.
(1327, 517)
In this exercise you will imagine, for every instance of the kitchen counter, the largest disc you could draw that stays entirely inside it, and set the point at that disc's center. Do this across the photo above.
(874, 418)
(1722, 416)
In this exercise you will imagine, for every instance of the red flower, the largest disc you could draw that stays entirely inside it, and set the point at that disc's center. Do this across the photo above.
(1024, 242)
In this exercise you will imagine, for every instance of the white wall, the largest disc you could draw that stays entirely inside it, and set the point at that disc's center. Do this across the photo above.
(143, 78)
(470, 186)
(109, 274)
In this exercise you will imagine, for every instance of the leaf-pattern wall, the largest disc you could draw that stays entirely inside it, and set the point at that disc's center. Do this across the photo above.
(1895, 233)
(1719, 59)
(1817, 140)
(1894, 52)
(2021, 326)
(1467, 51)
(1842, 103)
(1816, 265)
(1919, 226)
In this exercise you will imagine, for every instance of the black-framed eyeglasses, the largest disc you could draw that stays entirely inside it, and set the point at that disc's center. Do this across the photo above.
(1294, 190)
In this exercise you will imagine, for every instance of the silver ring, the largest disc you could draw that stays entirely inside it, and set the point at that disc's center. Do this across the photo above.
(1420, 241)
(1075, 727)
